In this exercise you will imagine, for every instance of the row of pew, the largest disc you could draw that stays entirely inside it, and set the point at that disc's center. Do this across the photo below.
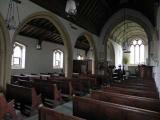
(136, 99)
(29, 94)
(133, 100)
(81, 84)
(120, 103)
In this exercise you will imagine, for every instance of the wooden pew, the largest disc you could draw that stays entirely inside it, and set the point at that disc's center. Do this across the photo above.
(63, 85)
(83, 85)
(92, 109)
(141, 93)
(7, 108)
(25, 99)
(50, 94)
(134, 101)
(25, 83)
(14, 78)
(92, 81)
(79, 87)
(99, 80)
(146, 88)
(140, 84)
(50, 114)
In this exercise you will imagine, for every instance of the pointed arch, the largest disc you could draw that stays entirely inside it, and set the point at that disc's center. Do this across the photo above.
(92, 44)
(5, 55)
(63, 32)
(132, 15)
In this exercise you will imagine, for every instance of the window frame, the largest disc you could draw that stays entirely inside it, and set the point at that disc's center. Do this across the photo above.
(21, 64)
(139, 49)
(60, 61)
(80, 57)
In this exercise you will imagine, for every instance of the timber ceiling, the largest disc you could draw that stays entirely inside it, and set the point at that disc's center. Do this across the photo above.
(41, 29)
(127, 31)
(92, 14)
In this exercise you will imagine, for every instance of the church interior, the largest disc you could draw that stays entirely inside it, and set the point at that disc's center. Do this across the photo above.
(79, 59)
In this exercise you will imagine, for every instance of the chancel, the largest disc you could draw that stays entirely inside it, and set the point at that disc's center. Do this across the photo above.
(79, 60)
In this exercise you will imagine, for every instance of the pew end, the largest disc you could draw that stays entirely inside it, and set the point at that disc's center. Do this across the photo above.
(25, 99)
(7, 109)
(50, 114)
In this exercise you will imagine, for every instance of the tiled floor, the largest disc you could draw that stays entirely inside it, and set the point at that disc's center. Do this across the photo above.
(64, 108)
(35, 117)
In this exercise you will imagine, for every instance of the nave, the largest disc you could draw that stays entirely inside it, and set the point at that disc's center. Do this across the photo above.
(79, 59)
(46, 98)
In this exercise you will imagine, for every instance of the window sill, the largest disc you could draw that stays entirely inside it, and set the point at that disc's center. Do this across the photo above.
(58, 68)
(132, 65)
(17, 68)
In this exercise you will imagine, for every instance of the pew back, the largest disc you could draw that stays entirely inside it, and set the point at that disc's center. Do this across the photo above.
(19, 94)
(146, 88)
(141, 93)
(91, 109)
(7, 108)
(48, 91)
(134, 101)
(62, 84)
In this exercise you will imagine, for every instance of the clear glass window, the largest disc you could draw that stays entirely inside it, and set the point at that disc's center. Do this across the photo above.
(137, 52)
(18, 56)
(57, 59)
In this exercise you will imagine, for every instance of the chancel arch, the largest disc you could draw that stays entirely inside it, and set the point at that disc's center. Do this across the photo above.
(45, 26)
(128, 21)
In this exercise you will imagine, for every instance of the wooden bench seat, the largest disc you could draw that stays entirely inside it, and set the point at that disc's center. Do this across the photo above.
(50, 94)
(79, 87)
(141, 93)
(140, 85)
(63, 85)
(7, 108)
(92, 109)
(50, 114)
(25, 98)
(83, 85)
(15, 78)
(129, 100)
(146, 88)
(92, 81)
(140, 82)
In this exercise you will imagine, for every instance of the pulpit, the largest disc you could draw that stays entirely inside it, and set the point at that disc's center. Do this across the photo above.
(145, 72)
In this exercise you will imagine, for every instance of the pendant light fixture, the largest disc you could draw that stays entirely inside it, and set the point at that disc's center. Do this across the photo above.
(71, 7)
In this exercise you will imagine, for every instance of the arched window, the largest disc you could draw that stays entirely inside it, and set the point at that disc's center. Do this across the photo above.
(18, 56)
(79, 57)
(57, 59)
(137, 52)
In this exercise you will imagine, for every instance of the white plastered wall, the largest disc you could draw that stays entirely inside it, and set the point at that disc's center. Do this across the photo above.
(40, 61)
